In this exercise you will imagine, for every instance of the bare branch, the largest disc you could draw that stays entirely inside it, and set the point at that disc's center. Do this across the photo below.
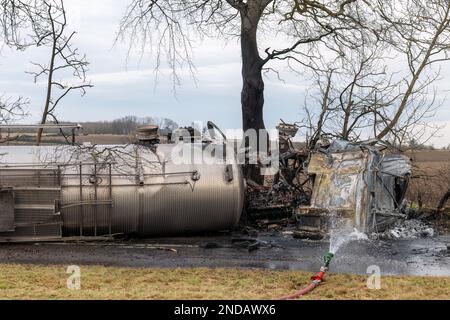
(50, 30)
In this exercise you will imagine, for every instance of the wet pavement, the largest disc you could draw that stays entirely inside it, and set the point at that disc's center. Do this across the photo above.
(426, 256)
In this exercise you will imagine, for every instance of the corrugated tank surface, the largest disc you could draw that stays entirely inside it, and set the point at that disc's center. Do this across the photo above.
(104, 190)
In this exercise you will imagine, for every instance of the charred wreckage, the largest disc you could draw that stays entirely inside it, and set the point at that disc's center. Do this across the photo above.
(54, 192)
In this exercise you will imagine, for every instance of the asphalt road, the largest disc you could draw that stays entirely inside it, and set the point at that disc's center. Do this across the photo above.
(428, 256)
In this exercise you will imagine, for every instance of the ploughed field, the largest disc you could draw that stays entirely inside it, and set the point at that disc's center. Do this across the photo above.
(430, 178)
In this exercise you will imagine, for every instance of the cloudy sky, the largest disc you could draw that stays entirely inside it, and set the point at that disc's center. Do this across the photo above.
(127, 86)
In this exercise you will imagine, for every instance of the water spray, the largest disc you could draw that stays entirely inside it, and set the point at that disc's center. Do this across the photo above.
(316, 280)
(341, 234)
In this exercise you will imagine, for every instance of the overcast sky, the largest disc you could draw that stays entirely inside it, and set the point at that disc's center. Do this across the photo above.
(128, 87)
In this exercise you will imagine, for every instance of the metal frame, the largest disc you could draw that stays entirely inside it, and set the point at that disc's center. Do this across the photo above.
(42, 126)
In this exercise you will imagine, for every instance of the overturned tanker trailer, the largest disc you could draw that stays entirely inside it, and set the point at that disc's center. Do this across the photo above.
(51, 192)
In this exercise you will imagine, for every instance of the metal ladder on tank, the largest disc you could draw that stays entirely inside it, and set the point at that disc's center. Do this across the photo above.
(82, 203)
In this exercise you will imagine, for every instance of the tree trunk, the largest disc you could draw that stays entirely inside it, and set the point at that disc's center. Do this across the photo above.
(252, 94)
(442, 202)
(49, 92)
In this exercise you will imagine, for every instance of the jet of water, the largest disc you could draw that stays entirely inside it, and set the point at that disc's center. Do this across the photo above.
(343, 232)
(340, 237)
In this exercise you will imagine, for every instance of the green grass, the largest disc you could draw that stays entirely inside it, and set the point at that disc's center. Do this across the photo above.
(97, 282)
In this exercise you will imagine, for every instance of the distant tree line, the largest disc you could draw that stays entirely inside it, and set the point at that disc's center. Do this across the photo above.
(414, 144)
(127, 125)
(122, 126)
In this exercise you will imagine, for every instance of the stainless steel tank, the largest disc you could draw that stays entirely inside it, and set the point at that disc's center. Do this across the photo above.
(54, 191)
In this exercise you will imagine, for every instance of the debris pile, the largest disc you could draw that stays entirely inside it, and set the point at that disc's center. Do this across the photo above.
(408, 229)
(363, 182)
(276, 201)
(278, 197)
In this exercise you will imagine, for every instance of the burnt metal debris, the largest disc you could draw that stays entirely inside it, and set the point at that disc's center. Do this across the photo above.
(288, 188)
(360, 184)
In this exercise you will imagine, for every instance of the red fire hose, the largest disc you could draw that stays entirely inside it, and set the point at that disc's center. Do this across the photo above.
(316, 280)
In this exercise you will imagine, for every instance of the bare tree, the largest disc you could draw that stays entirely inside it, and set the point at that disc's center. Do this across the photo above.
(51, 31)
(12, 109)
(355, 104)
(167, 27)
(421, 32)
(368, 94)
(17, 17)
(14, 18)
(163, 123)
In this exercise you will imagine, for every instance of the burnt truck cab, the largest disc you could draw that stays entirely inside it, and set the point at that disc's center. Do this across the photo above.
(360, 184)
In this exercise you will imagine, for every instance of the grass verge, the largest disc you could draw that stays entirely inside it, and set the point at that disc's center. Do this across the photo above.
(97, 282)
